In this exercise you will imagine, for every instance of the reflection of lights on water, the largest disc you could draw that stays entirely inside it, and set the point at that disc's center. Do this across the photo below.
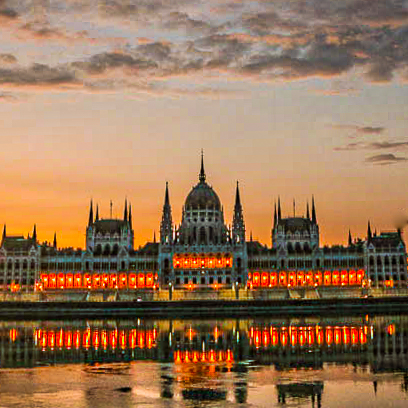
(13, 334)
(391, 329)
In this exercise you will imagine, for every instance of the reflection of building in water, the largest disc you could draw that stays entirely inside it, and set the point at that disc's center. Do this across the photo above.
(302, 390)
(189, 351)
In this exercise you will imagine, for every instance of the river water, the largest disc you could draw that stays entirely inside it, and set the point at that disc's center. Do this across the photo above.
(269, 362)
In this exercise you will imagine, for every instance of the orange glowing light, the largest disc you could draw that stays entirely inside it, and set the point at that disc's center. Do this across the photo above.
(13, 334)
(391, 329)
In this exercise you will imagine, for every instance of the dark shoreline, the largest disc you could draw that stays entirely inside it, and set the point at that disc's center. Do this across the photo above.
(202, 308)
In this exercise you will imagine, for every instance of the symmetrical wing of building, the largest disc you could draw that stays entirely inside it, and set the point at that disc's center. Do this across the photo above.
(203, 252)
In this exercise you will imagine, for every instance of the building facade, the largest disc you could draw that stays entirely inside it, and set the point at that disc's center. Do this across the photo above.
(202, 252)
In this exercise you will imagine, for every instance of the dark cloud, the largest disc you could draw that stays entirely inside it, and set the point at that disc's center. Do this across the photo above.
(388, 145)
(7, 13)
(260, 40)
(320, 59)
(362, 129)
(100, 63)
(264, 23)
(8, 59)
(177, 20)
(36, 75)
(156, 51)
(385, 159)
(370, 129)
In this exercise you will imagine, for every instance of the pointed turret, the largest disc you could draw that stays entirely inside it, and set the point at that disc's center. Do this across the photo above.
(237, 198)
(90, 222)
(4, 234)
(55, 240)
(130, 216)
(154, 236)
(97, 213)
(279, 210)
(369, 234)
(166, 225)
(250, 237)
(202, 176)
(35, 233)
(275, 217)
(125, 211)
(307, 211)
(238, 224)
(314, 219)
(350, 241)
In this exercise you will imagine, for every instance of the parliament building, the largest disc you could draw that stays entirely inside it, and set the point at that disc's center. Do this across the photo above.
(202, 253)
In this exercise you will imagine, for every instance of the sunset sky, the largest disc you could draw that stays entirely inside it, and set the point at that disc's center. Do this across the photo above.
(107, 99)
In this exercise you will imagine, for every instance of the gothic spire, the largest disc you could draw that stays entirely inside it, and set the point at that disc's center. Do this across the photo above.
(307, 210)
(130, 216)
(314, 219)
(125, 212)
(166, 196)
(55, 240)
(166, 225)
(4, 233)
(275, 217)
(97, 213)
(237, 198)
(154, 236)
(90, 222)
(369, 234)
(350, 241)
(238, 224)
(35, 233)
(202, 172)
(279, 210)
(250, 237)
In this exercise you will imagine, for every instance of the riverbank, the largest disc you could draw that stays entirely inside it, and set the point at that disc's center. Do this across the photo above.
(18, 310)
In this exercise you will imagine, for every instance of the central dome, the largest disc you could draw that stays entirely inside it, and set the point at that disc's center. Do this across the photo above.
(201, 197)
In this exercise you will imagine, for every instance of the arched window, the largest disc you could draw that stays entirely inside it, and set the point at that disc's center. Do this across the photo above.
(401, 260)
(106, 250)
(98, 250)
(25, 264)
(379, 262)
(282, 264)
(32, 266)
(394, 260)
(203, 237)
(194, 237)
(371, 261)
(211, 235)
(166, 264)
(386, 261)
(115, 249)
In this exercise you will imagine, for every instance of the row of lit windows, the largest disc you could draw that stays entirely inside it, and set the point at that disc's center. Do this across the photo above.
(311, 278)
(202, 262)
(98, 281)
(95, 338)
(309, 336)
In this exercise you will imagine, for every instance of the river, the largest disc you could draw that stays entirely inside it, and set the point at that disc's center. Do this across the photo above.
(358, 361)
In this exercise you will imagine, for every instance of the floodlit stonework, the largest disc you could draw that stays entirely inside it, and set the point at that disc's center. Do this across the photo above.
(202, 253)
